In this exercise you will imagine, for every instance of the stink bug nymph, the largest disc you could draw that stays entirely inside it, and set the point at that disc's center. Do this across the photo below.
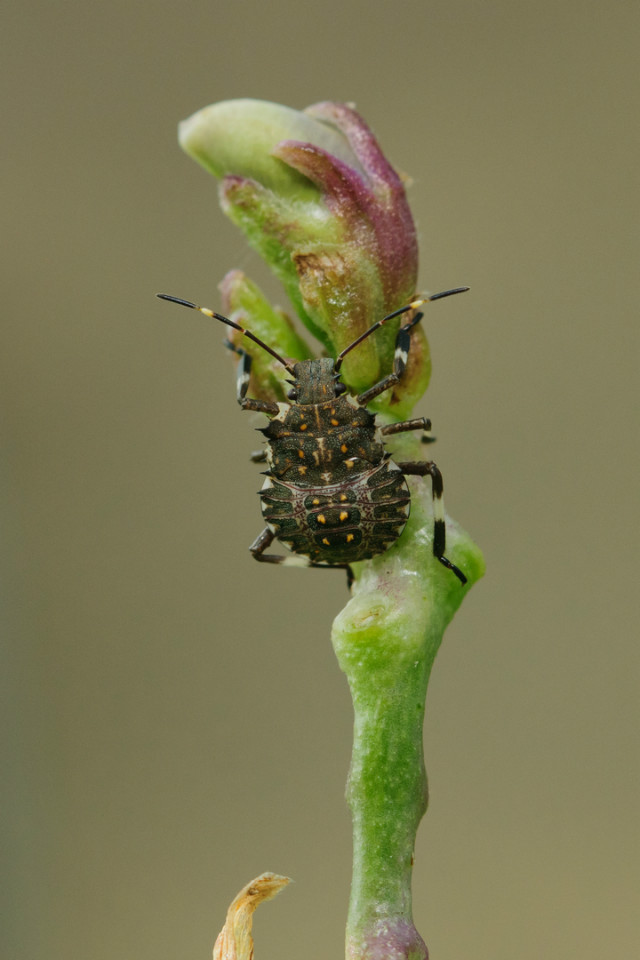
(332, 493)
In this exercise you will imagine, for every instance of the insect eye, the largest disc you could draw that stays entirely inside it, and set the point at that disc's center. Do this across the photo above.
(292, 394)
(340, 388)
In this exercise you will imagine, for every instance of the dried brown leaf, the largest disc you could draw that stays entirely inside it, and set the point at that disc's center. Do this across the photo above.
(234, 940)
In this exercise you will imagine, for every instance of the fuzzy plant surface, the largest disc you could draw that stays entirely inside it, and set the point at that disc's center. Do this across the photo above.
(315, 196)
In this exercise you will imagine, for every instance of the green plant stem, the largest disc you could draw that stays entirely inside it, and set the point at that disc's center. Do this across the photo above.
(387, 793)
(386, 640)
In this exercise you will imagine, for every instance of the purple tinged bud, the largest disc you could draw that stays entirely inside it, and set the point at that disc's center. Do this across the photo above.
(238, 137)
(388, 208)
(316, 197)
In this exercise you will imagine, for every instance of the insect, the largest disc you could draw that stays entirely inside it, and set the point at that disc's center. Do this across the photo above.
(332, 493)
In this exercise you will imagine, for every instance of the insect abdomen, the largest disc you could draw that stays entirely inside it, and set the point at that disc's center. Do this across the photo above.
(342, 522)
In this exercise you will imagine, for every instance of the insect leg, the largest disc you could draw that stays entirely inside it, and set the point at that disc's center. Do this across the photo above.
(258, 456)
(264, 541)
(244, 375)
(400, 357)
(266, 538)
(422, 468)
(419, 423)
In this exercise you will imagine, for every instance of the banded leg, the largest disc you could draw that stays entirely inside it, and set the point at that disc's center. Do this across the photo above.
(418, 423)
(422, 468)
(400, 357)
(402, 343)
(242, 384)
(264, 540)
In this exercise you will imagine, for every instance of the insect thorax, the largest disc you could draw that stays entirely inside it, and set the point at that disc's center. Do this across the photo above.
(321, 443)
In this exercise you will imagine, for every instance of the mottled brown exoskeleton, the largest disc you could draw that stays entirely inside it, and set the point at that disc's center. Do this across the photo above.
(332, 493)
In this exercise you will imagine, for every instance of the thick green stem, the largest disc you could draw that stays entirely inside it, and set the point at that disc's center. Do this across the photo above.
(387, 788)
(387, 793)
(386, 640)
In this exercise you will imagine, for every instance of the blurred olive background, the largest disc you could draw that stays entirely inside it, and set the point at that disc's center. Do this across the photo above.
(175, 721)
